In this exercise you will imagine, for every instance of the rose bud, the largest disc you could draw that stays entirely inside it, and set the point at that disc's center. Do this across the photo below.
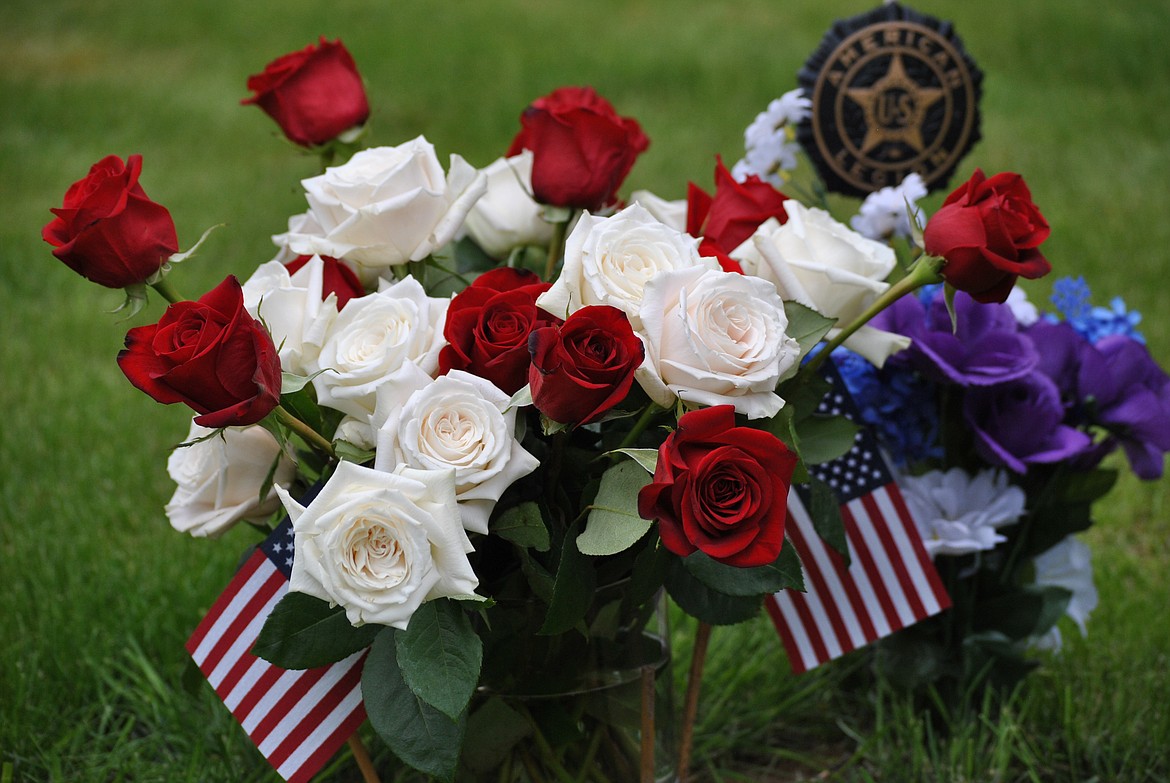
(729, 218)
(108, 230)
(314, 94)
(584, 367)
(209, 354)
(720, 489)
(336, 278)
(989, 232)
(582, 150)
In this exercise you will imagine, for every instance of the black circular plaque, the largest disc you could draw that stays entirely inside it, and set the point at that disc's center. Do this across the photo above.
(893, 92)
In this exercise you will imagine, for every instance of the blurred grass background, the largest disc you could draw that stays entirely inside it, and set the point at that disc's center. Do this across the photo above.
(98, 594)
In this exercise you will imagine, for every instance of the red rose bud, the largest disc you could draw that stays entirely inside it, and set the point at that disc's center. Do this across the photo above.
(211, 355)
(581, 149)
(584, 367)
(337, 278)
(314, 94)
(720, 489)
(108, 230)
(988, 230)
(488, 324)
(736, 210)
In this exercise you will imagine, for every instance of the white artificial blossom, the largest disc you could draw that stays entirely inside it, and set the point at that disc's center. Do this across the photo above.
(958, 513)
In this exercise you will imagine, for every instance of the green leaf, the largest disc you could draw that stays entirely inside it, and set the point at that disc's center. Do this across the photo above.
(572, 590)
(351, 452)
(806, 325)
(949, 292)
(647, 458)
(302, 404)
(523, 526)
(824, 509)
(521, 399)
(825, 438)
(440, 656)
(743, 582)
(707, 604)
(304, 632)
(492, 731)
(1088, 487)
(415, 732)
(614, 525)
(648, 574)
(1026, 611)
(291, 384)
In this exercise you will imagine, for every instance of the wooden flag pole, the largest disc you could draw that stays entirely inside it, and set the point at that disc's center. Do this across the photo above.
(362, 757)
(691, 707)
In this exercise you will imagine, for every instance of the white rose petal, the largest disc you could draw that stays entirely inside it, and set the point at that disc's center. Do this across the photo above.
(461, 422)
(609, 260)
(507, 216)
(387, 206)
(373, 341)
(219, 479)
(671, 213)
(958, 513)
(715, 338)
(292, 308)
(380, 544)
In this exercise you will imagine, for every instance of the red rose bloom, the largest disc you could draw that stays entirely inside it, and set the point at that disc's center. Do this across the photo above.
(581, 149)
(488, 324)
(734, 213)
(989, 232)
(720, 489)
(107, 230)
(584, 367)
(211, 355)
(314, 94)
(337, 278)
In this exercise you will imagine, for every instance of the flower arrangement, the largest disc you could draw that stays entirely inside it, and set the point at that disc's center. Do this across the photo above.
(504, 409)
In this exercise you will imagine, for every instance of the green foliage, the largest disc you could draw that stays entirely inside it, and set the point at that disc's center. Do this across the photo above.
(784, 574)
(523, 525)
(440, 655)
(613, 524)
(304, 632)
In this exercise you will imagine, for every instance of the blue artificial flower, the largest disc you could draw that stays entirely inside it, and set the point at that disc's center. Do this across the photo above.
(1071, 297)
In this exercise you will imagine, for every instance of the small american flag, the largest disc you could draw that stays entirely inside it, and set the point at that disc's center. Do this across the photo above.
(298, 719)
(891, 582)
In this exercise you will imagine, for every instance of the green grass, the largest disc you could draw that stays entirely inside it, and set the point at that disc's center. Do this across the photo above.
(99, 593)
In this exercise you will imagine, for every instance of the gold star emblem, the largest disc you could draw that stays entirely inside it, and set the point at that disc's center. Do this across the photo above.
(895, 107)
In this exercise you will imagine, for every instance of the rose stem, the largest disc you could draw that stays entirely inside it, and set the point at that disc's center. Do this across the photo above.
(362, 757)
(555, 246)
(691, 706)
(168, 292)
(647, 724)
(924, 272)
(311, 436)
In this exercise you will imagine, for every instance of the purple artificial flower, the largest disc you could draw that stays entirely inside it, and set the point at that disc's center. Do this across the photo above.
(1060, 348)
(1020, 423)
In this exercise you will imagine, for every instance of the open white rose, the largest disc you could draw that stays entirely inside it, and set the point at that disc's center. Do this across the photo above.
(372, 341)
(387, 206)
(507, 216)
(219, 479)
(715, 338)
(380, 544)
(671, 213)
(461, 422)
(303, 223)
(293, 310)
(609, 260)
(820, 263)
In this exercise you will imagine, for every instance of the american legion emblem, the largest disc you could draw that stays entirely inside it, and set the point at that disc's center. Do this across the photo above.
(893, 92)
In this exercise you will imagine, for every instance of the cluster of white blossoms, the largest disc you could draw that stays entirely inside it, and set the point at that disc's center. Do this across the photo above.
(886, 213)
(770, 145)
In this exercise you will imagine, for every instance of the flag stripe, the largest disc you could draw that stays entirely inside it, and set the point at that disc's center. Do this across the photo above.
(865, 572)
(890, 547)
(344, 721)
(825, 596)
(925, 574)
(228, 606)
(343, 682)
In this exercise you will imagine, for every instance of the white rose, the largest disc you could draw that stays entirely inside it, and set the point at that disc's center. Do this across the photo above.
(462, 422)
(372, 341)
(387, 206)
(293, 310)
(303, 223)
(671, 213)
(822, 264)
(219, 479)
(609, 260)
(507, 216)
(715, 338)
(380, 544)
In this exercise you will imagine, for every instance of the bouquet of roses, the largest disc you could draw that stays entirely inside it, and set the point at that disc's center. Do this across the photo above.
(503, 410)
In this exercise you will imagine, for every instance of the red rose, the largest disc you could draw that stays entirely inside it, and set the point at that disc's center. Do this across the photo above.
(988, 230)
(488, 325)
(735, 212)
(720, 489)
(314, 94)
(337, 278)
(585, 366)
(107, 230)
(209, 354)
(581, 149)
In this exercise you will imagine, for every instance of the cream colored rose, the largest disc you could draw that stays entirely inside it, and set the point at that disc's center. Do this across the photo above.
(507, 216)
(219, 479)
(671, 213)
(715, 338)
(387, 206)
(460, 422)
(380, 544)
(292, 308)
(372, 341)
(820, 263)
(609, 260)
